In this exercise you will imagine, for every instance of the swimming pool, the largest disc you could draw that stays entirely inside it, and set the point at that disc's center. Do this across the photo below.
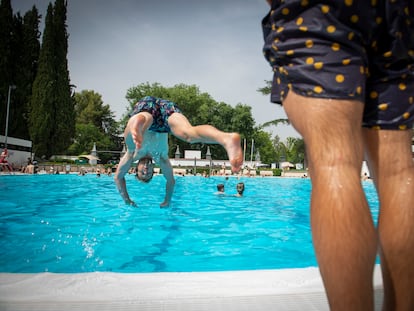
(72, 224)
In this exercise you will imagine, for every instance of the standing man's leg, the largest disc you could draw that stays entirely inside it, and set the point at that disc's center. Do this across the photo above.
(391, 164)
(343, 232)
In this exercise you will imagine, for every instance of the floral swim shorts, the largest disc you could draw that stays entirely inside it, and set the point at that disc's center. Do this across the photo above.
(345, 49)
(160, 109)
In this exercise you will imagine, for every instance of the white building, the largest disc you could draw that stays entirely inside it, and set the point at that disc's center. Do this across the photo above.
(19, 150)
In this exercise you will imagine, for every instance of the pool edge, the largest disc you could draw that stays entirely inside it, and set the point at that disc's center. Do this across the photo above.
(284, 289)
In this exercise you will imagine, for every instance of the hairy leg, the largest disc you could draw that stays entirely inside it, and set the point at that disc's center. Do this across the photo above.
(343, 232)
(181, 128)
(391, 164)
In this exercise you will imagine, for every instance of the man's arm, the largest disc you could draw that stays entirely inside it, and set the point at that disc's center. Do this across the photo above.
(167, 171)
(119, 177)
(133, 135)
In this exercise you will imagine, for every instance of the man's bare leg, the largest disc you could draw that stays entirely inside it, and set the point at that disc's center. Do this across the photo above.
(343, 232)
(137, 125)
(181, 128)
(392, 166)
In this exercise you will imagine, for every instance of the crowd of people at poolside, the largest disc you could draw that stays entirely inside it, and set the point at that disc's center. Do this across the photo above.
(32, 167)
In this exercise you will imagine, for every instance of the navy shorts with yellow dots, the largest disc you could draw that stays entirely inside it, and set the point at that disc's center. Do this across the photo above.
(345, 49)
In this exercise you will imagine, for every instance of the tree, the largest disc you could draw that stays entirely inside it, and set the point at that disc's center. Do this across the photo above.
(64, 104)
(293, 150)
(267, 89)
(42, 102)
(263, 144)
(19, 52)
(275, 122)
(95, 123)
(51, 112)
(26, 48)
(86, 136)
(6, 52)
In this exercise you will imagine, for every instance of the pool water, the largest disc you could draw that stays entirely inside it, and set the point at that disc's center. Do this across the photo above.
(73, 224)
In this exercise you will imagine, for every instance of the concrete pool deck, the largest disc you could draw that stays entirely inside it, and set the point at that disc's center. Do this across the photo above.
(258, 290)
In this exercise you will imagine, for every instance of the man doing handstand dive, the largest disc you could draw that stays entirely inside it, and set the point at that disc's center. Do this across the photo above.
(146, 139)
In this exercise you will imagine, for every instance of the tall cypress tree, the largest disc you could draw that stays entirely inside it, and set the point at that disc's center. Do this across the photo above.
(17, 107)
(6, 78)
(41, 112)
(51, 115)
(65, 115)
(25, 47)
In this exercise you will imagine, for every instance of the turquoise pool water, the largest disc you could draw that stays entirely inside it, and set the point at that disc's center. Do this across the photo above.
(73, 224)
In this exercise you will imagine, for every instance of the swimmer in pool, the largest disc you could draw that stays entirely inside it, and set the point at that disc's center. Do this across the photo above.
(240, 189)
(146, 139)
(220, 189)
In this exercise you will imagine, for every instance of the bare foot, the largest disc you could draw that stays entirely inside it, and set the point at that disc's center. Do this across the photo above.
(164, 204)
(234, 151)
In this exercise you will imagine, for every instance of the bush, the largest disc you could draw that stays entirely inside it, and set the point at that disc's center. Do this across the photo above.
(277, 172)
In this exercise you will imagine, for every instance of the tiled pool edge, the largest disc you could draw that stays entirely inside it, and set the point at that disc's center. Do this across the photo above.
(286, 289)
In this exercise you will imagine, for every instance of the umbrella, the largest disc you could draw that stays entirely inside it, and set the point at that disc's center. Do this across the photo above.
(286, 164)
(89, 157)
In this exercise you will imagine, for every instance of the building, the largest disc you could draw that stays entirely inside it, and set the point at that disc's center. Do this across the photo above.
(19, 150)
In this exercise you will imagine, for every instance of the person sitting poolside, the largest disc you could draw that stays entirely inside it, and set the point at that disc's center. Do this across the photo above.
(29, 169)
(3, 160)
(109, 171)
(146, 139)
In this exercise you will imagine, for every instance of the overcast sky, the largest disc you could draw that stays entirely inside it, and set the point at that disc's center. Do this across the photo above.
(214, 44)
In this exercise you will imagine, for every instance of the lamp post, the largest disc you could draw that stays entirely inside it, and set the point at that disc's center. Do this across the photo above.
(11, 87)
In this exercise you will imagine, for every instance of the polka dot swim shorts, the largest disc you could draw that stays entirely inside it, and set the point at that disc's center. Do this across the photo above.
(160, 109)
(345, 49)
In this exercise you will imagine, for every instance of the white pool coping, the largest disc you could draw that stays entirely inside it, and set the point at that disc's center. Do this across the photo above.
(286, 289)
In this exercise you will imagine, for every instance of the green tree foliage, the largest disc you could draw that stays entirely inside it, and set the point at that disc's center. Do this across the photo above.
(86, 136)
(6, 52)
(51, 113)
(42, 108)
(95, 123)
(64, 105)
(26, 53)
(275, 122)
(19, 52)
(292, 150)
(263, 145)
(267, 89)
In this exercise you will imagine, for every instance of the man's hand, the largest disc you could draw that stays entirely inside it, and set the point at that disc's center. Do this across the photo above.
(130, 202)
(164, 204)
(119, 177)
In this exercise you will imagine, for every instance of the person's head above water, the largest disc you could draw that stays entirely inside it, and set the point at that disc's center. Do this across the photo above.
(240, 188)
(145, 169)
